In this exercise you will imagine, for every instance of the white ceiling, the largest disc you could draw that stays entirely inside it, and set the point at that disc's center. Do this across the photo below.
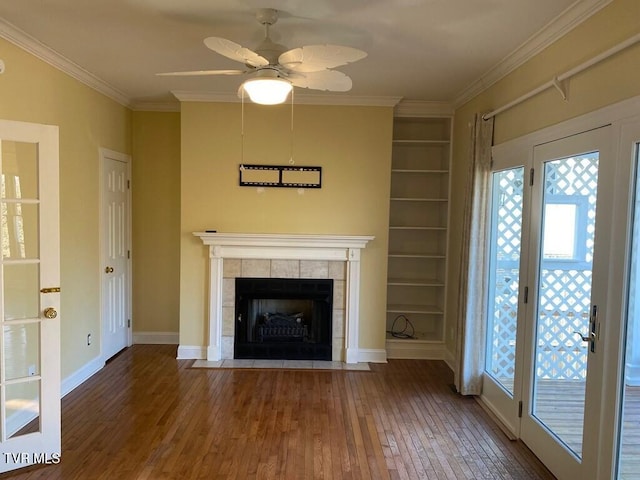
(425, 50)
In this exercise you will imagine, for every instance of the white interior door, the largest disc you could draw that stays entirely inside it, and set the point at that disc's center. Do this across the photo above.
(115, 245)
(29, 296)
(567, 290)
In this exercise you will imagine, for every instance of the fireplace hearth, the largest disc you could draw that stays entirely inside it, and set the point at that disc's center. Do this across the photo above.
(283, 318)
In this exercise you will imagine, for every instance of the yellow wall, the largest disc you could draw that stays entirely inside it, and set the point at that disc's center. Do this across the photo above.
(613, 80)
(33, 91)
(351, 144)
(156, 221)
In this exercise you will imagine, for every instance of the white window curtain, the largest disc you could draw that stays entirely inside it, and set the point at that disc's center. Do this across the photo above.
(472, 279)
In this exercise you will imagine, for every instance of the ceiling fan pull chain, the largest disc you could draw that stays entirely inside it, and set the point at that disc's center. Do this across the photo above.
(242, 127)
(291, 160)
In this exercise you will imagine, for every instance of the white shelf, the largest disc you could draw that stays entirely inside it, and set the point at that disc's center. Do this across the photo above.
(420, 142)
(418, 337)
(416, 170)
(415, 227)
(418, 282)
(412, 199)
(416, 255)
(418, 219)
(420, 309)
(424, 348)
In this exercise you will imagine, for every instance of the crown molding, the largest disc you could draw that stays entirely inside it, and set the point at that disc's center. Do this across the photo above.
(573, 16)
(298, 99)
(421, 108)
(146, 106)
(36, 48)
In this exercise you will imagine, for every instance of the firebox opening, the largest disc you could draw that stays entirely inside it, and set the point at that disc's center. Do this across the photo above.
(279, 318)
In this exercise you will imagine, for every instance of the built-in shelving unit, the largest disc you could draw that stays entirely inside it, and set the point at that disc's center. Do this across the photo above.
(418, 222)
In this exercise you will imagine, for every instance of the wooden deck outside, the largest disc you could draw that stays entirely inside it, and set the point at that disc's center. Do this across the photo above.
(147, 415)
(630, 451)
(559, 408)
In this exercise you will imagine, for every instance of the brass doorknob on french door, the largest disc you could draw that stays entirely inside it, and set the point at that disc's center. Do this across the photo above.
(50, 312)
(108, 270)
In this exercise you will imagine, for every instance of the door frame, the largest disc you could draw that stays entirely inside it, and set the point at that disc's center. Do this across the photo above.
(505, 406)
(619, 116)
(560, 460)
(627, 134)
(106, 154)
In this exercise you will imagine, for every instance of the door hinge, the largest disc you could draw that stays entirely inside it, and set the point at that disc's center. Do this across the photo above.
(128, 323)
(531, 174)
(526, 294)
(520, 409)
(128, 184)
(128, 253)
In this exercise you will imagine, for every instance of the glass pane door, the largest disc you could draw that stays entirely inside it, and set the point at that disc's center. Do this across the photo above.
(564, 296)
(29, 296)
(20, 365)
(504, 275)
(571, 202)
(629, 439)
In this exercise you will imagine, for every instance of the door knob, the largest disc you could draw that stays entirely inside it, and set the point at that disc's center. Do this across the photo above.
(594, 329)
(50, 312)
(585, 338)
(591, 338)
(108, 270)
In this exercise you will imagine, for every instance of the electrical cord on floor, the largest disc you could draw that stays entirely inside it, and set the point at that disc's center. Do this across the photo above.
(407, 332)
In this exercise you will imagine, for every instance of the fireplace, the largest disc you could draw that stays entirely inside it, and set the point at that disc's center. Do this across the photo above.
(283, 318)
(257, 255)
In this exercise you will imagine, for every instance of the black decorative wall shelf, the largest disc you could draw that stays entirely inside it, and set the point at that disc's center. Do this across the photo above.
(287, 176)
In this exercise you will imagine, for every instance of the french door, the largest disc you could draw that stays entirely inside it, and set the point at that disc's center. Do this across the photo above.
(29, 296)
(547, 276)
(567, 291)
(625, 400)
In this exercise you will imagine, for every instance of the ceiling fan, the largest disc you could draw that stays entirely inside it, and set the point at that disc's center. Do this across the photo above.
(274, 69)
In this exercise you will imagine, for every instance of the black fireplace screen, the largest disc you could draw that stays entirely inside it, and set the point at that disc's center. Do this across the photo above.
(283, 318)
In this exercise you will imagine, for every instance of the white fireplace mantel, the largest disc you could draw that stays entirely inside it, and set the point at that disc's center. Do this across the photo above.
(344, 248)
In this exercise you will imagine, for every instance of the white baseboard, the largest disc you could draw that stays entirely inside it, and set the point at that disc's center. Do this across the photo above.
(81, 375)
(156, 338)
(20, 419)
(450, 360)
(191, 352)
(416, 349)
(499, 419)
(372, 355)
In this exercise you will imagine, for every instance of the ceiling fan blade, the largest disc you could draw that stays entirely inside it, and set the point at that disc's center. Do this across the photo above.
(315, 58)
(236, 52)
(195, 73)
(328, 80)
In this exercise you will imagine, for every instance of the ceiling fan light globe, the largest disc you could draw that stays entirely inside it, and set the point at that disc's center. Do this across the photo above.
(267, 91)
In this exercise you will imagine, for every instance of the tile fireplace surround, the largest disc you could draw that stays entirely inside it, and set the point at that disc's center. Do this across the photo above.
(233, 255)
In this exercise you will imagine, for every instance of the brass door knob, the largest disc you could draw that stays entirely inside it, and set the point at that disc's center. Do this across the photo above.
(50, 312)
(108, 270)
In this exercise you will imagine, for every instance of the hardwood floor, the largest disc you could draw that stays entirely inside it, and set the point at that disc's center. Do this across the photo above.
(147, 415)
